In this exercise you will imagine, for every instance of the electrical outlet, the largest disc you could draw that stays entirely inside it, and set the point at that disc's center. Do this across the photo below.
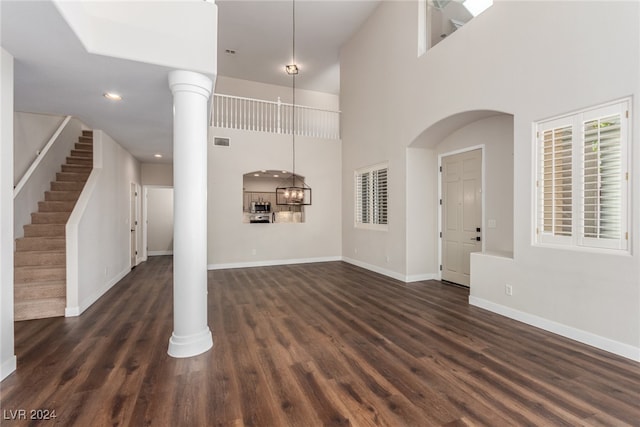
(508, 289)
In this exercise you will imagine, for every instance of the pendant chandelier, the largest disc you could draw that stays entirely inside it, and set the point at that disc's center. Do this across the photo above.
(298, 193)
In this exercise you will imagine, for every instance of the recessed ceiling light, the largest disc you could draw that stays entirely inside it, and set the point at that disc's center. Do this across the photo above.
(263, 171)
(291, 69)
(256, 174)
(276, 175)
(112, 96)
(284, 171)
(157, 155)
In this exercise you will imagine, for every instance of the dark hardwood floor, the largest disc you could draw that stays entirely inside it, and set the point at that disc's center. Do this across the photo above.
(307, 345)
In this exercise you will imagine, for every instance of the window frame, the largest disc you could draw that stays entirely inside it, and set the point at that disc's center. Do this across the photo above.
(372, 219)
(578, 238)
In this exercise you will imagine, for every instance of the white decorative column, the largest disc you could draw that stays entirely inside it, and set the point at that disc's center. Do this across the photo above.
(191, 335)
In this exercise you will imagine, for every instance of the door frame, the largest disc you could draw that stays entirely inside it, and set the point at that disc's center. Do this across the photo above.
(134, 186)
(480, 147)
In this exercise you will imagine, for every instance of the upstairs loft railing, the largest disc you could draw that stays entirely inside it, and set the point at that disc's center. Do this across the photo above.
(276, 117)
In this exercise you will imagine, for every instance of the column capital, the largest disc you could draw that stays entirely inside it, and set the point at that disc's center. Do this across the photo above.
(190, 81)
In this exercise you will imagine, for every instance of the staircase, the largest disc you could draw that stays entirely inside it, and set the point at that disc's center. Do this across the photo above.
(40, 258)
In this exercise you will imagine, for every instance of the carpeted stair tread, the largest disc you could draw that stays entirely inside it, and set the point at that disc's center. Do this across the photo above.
(42, 230)
(77, 168)
(71, 176)
(87, 161)
(56, 206)
(39, 308)
(30, 244)
(51, 196)
(50, 217)
(40, 290)
(82, 153)
(31, 273)
(67, 185)
(87, 146)
(52, 258)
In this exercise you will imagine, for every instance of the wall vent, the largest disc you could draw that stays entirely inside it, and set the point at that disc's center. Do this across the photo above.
(223, 142)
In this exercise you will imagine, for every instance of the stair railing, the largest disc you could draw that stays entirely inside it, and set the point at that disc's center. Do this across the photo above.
(41, 154)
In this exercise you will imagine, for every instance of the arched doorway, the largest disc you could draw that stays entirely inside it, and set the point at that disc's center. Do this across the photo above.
(490, 132)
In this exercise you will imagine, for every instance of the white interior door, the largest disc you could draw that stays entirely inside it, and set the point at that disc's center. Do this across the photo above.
(461, 214)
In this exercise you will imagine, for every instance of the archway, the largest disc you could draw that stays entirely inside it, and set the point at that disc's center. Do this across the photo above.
(489, 130)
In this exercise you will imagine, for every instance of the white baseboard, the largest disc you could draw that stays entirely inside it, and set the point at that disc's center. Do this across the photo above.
(158, 253)
(371, 267)
(389, 273)
(268, 263)
(421, 277)
(77, 311)
(376, 269)
(7, 367)
(72, 311)
(606, 344)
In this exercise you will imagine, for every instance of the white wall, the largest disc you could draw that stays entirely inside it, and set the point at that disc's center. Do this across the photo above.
(30, 134)
(157, 174)
(26, 201)
(7, 356)
(232, 243)
(268, 92)
(161, 30)
(498, 62)
(421, 189)
(159, 220)
(98, 231)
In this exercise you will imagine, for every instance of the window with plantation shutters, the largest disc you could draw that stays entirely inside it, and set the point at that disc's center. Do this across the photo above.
(583, 178)
(371, 198)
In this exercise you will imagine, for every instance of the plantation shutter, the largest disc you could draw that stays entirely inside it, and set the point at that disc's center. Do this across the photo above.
(555, 182)
(379, 189)
(603, 178)
(362, 198)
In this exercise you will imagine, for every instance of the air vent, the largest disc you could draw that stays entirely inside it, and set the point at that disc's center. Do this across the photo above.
(223, 142)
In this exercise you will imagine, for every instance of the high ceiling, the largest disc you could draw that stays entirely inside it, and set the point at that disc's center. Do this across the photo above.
(55, 75)
(261, 34)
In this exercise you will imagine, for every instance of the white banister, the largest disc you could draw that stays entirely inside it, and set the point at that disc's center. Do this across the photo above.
(259, 115)
(39, 157)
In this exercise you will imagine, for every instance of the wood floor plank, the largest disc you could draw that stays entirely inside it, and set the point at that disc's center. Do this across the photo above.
(312, 345)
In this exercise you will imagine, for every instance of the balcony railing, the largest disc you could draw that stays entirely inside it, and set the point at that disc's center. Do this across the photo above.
(276, 117)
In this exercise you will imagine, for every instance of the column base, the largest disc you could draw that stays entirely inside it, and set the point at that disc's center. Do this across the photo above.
(190, 345)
